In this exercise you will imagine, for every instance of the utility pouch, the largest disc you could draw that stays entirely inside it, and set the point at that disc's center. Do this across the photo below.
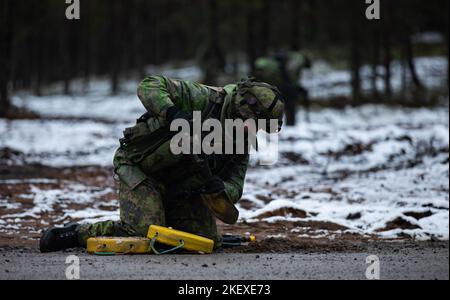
(144, 138)
(132, 176)
(161, 159)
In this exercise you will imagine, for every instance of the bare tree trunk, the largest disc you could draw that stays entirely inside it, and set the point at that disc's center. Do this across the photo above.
(296, 7)
(38, 42)
(387, 48)
(265, 28)
(312, 20)
(355, 55)
(251, 51)
(234, 49)
(404, 79)
(137, 60)
(116, 54)
(6, 38)
(126, 44)
(409, 55)
(375, 62)
(69, 56)
(448, 57)
(214, 56)
(446, 35)
(87, 47)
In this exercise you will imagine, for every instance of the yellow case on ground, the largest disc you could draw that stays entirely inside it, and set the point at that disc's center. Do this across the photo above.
(118, 245)
(176, 238)
(138, 245)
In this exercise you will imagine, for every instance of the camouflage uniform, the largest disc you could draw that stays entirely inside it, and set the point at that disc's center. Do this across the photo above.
(154, 185)
(284, 71)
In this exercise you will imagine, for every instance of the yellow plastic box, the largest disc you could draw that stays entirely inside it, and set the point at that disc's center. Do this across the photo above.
(156, 234)
(118, 245)
(184, 240)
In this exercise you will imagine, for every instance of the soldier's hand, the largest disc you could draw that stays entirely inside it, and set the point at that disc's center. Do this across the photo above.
(214, 186)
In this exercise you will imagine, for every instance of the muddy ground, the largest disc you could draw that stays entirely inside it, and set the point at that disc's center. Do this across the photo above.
(274, 237)
(97, 176)
(341, 191)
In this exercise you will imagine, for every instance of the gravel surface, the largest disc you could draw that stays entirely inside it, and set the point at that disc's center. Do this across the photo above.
(397, 261)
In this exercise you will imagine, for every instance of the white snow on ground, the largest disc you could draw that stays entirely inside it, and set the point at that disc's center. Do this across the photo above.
(376, 162)
(5, 204)
(362, 168)
(51, 201)
(62, 143)
(323, 82)
(110, 108)
(46, 201)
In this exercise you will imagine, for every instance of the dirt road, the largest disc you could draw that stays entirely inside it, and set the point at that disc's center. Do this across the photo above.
(397, 261)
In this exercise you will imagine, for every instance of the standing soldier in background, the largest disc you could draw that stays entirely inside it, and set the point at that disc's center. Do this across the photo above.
(212, 63)
(284, 70)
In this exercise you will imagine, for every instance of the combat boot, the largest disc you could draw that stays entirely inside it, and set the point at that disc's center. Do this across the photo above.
(57, 239)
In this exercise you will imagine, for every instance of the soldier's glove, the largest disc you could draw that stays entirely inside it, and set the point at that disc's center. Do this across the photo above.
(214, 186)
(174, 113)
(221, 206)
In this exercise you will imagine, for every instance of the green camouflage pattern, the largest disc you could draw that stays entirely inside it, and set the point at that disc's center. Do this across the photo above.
(284, 70)
(144, 206)
(265, 98)
(144, 187)
(267, 69)
(158, 93)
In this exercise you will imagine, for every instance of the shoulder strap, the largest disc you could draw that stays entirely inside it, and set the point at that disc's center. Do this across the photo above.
(212, 110)
(215, 103)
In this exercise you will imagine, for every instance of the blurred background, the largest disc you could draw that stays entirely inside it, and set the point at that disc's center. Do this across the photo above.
(365, 151)
(126, 40)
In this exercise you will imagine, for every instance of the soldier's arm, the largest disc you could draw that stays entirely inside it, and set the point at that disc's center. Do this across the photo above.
(234, 177)
(155, 96)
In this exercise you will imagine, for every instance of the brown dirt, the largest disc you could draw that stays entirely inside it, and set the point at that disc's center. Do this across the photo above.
(91, 175)
(20, 113)
(290, 237)
(284, 212)
(398, 223)
(28, 234)
(271, 237)
(354, 216)
(296, 158)
(419, 216)
(351, 150)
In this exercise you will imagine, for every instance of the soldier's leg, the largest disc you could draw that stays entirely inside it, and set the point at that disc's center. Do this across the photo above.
(140, 207)
(290, 103)
(106, 228)
(192, 216)
(304, 94)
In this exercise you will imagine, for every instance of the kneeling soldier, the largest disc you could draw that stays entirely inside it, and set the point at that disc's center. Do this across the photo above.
(184, 192)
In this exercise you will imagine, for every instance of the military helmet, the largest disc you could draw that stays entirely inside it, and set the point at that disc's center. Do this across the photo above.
(258, 101)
